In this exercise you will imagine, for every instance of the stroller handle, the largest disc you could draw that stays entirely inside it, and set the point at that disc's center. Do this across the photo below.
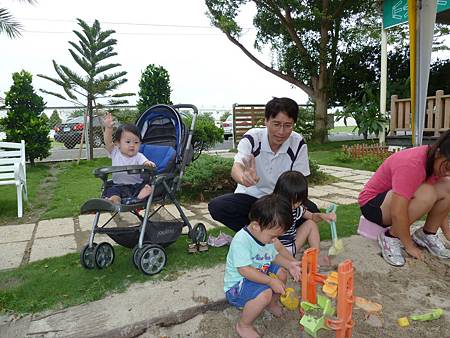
(186, 106)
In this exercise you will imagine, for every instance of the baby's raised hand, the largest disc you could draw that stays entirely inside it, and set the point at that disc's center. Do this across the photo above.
(108, 121)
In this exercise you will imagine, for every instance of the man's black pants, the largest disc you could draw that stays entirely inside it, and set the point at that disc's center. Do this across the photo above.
(232, 209)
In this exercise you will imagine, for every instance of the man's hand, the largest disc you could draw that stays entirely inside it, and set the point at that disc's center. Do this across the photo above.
(414, 251)
(295, 270)
(108, 121)
(249, 176)
(277, 286)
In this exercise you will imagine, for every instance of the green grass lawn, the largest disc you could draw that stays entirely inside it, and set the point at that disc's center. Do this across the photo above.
(343, 129)
(60, 282)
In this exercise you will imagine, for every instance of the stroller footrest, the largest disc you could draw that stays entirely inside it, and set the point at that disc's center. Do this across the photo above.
(99, 204)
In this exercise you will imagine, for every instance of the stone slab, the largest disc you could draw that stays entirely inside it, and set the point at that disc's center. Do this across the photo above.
(322, 204)
(52, 247)
(118, 314)
(55, 227)
(345, 175)
(317, 191)
(86, 221)
(348, 185)
(12, 254)
(16, 233)
(342, 200)
(202, 205)
(174, 211)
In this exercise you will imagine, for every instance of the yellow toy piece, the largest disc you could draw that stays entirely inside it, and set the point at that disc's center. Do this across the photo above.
(331, 284)
(403, 322)
(272, 275)
(289, 299)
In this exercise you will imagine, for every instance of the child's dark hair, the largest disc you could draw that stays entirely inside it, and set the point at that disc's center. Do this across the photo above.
(440, 147)
(131, 128)
(271, 211)
(282, 104)
(293, 186)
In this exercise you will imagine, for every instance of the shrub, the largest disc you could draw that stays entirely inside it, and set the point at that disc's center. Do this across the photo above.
(206, 134)
(316, 176)
(305, 122)
(208, 177)
(24, 120)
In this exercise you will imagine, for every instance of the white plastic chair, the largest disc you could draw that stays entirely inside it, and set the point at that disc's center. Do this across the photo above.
(13, 170)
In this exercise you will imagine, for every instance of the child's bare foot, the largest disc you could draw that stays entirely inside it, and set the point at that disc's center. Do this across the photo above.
(275, 309)
(324, 260)
(145, 192)
(246, 331)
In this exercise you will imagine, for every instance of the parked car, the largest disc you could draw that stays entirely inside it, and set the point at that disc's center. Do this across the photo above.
(70, 132)
(227, 127)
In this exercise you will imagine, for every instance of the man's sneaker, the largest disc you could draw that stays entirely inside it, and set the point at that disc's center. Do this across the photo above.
(432, 242)
(391, 249)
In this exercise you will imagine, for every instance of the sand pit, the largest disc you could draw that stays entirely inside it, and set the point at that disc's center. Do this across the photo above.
(415, 288)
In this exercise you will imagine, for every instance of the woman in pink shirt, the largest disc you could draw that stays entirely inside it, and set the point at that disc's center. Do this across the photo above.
(408, 185)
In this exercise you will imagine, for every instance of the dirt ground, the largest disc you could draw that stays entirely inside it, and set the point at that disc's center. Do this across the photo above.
(415, 288)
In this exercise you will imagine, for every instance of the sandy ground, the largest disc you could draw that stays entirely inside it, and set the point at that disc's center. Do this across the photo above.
(415, 288)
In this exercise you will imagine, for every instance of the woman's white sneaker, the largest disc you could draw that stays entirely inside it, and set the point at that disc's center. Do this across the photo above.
(391, 249)
(432, 242)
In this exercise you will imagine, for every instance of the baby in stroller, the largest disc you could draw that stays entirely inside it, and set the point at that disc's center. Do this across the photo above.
(167, 143)
(126, 188)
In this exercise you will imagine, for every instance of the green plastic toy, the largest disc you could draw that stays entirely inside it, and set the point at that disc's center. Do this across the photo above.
(311, 324)
(434, 314)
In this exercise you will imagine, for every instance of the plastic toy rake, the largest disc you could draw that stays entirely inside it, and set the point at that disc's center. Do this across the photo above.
(337, 245)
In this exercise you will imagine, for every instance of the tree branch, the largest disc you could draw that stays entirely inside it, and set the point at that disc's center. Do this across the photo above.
(285, 77)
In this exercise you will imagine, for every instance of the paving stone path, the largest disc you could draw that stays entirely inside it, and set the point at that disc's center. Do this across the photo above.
(24, 243)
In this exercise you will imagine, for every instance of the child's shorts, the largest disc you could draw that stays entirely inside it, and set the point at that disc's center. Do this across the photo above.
(123, 190)
(246, 290)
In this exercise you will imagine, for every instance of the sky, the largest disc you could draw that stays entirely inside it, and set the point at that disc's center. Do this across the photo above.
(205, 68)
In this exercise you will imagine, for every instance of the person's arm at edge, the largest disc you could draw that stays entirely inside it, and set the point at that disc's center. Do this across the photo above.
(292, 266)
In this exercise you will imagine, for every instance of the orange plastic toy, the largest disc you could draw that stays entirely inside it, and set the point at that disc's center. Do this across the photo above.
(343, 325)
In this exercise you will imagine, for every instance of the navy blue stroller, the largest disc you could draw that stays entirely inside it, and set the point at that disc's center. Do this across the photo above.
(167, 142)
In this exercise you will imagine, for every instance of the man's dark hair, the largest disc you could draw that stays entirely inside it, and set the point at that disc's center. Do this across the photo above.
(440, 147)
(272, 211)
(131, 128)
(282, 104)
(293, 186)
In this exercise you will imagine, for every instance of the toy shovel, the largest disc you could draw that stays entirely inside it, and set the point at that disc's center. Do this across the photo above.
(337, 245)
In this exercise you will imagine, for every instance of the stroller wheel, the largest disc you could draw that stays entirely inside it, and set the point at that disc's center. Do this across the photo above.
(152, 258)
(104, 255)
(198, 233)
(87, 256)
(135, 256)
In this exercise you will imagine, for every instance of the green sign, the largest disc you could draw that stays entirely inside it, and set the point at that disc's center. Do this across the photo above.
(395, 12)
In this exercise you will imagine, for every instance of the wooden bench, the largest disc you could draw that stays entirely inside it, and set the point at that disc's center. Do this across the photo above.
(13, 170)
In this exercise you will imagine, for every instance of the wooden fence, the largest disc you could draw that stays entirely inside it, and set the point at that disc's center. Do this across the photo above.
(437, 115)
(248, 116)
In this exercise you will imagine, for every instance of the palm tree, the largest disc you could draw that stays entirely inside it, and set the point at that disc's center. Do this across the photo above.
(9, 25)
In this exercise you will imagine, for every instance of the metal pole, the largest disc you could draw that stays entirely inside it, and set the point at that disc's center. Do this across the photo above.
(383, 82)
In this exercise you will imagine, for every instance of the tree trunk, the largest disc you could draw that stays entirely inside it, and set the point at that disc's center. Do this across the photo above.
(320, 133)
(90, 131)
(320, 84)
